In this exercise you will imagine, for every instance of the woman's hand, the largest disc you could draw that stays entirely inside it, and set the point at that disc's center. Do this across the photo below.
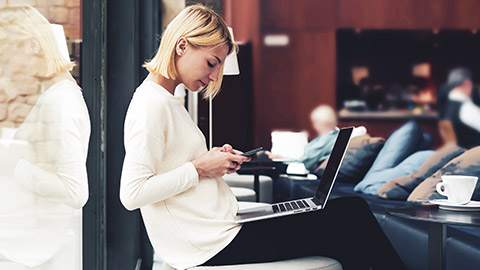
(219, 161)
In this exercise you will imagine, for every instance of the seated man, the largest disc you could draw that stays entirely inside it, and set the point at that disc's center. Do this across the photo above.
(324, 122)
(461, 110)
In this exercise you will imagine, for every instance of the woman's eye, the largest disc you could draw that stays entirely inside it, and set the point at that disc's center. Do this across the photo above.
(210, 64)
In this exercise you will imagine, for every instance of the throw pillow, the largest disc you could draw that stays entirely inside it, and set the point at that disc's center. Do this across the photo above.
(360, 155)
(467, 163)
(401, 144)
(426, 142)
(401, 187)
(409, 165)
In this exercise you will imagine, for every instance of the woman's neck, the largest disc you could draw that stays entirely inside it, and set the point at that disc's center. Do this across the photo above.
(48, 82)
(168, 84)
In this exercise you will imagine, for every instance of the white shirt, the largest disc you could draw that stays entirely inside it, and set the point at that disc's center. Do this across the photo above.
(469, 112)
(188, 220)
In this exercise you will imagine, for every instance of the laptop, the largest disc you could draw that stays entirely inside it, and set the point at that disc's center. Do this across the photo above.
(317, 202)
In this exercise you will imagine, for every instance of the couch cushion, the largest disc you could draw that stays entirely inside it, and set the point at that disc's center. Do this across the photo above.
(360, 155)
(467, 163)
(426, 142)
(402, 143)
(401, 187)
(377, 179)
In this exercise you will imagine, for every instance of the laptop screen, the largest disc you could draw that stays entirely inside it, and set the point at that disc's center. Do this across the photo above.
(333, 165)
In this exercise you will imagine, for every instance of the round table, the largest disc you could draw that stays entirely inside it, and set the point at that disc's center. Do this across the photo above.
(438, 220)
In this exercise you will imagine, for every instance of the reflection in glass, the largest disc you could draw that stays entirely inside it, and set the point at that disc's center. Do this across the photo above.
(43, 147)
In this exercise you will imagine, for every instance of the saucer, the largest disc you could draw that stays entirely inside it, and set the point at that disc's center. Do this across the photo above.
(446, 205)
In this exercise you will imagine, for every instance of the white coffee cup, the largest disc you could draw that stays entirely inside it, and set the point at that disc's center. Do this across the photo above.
(458, 188)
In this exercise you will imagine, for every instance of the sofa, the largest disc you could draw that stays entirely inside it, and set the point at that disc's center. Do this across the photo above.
(398, 172)
(409, 238)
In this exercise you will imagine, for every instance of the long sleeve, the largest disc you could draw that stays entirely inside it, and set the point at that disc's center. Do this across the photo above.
(141, 184)
(58, 132)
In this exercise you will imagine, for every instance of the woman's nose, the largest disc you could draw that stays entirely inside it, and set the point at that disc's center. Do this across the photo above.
(214, 75)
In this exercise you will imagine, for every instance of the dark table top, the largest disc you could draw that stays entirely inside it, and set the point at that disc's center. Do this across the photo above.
(431, 213)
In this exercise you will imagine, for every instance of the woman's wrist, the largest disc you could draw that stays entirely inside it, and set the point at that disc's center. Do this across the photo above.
(198, 167)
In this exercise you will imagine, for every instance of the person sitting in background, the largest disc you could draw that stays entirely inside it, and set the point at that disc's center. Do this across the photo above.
(459, 108)
(324, 122)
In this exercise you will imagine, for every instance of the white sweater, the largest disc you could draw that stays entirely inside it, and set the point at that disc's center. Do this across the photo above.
(188, 220)
(42, 206)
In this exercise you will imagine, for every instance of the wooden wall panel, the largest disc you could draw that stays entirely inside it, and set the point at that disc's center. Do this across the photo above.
(243, 18)
(298, 15)
(276, 14)
(408, 14)
(313, 15)
(465, 14)
(294, 80)
(431, 14)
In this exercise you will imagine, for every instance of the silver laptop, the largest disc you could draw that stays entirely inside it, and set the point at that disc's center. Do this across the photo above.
(318, 201)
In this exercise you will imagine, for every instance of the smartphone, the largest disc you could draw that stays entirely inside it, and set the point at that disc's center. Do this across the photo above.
(252, 152)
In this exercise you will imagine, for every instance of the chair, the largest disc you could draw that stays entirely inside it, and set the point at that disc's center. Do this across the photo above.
(244, 194)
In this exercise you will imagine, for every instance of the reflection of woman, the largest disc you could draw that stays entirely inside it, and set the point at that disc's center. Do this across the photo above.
(187, 207)
(50, 181)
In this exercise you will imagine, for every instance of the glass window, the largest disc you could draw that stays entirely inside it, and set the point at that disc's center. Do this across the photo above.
(44, 135)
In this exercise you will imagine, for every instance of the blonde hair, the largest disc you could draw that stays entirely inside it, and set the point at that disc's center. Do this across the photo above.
(19, 23)
(324, 114)
(201, 27)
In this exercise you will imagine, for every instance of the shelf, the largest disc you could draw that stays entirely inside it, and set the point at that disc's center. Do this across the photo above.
(347, 115)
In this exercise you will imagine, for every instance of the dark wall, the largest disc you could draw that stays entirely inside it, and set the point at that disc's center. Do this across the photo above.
(232, 107)
(122, 78)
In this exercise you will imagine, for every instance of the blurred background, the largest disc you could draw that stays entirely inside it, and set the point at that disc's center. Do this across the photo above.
(378, 63)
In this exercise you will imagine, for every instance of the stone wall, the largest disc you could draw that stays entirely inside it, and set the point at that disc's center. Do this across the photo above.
(14, 107)
(64, 12)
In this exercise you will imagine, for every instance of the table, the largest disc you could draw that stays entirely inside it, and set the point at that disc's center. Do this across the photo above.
(437, 227)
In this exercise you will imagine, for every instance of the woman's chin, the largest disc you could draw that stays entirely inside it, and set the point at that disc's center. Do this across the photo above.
(199, 89)
(195, 88)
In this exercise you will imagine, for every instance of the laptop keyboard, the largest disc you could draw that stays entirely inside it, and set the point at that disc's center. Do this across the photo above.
(288, 206)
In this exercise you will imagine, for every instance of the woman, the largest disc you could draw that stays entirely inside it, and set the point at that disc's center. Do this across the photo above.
(187, 208)
(43, 177)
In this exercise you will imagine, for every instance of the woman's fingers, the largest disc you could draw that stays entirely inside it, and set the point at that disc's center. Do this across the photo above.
(236, 152)
(238, 159)
(227, 148)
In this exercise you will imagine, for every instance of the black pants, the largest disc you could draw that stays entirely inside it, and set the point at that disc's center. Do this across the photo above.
(345, 230)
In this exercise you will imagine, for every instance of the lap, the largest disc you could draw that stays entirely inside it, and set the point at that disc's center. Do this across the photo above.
(325, 232)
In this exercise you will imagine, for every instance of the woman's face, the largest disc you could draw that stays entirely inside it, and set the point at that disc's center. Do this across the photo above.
(20, 65)
(197, 67)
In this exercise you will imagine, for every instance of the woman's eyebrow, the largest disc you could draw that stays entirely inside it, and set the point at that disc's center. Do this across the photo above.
(218, 59)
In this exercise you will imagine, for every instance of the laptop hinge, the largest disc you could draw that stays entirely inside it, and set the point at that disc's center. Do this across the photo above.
(316, 201)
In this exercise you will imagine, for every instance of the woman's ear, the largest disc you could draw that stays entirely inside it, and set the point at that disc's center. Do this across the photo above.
(181, 47)
(33, 45)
